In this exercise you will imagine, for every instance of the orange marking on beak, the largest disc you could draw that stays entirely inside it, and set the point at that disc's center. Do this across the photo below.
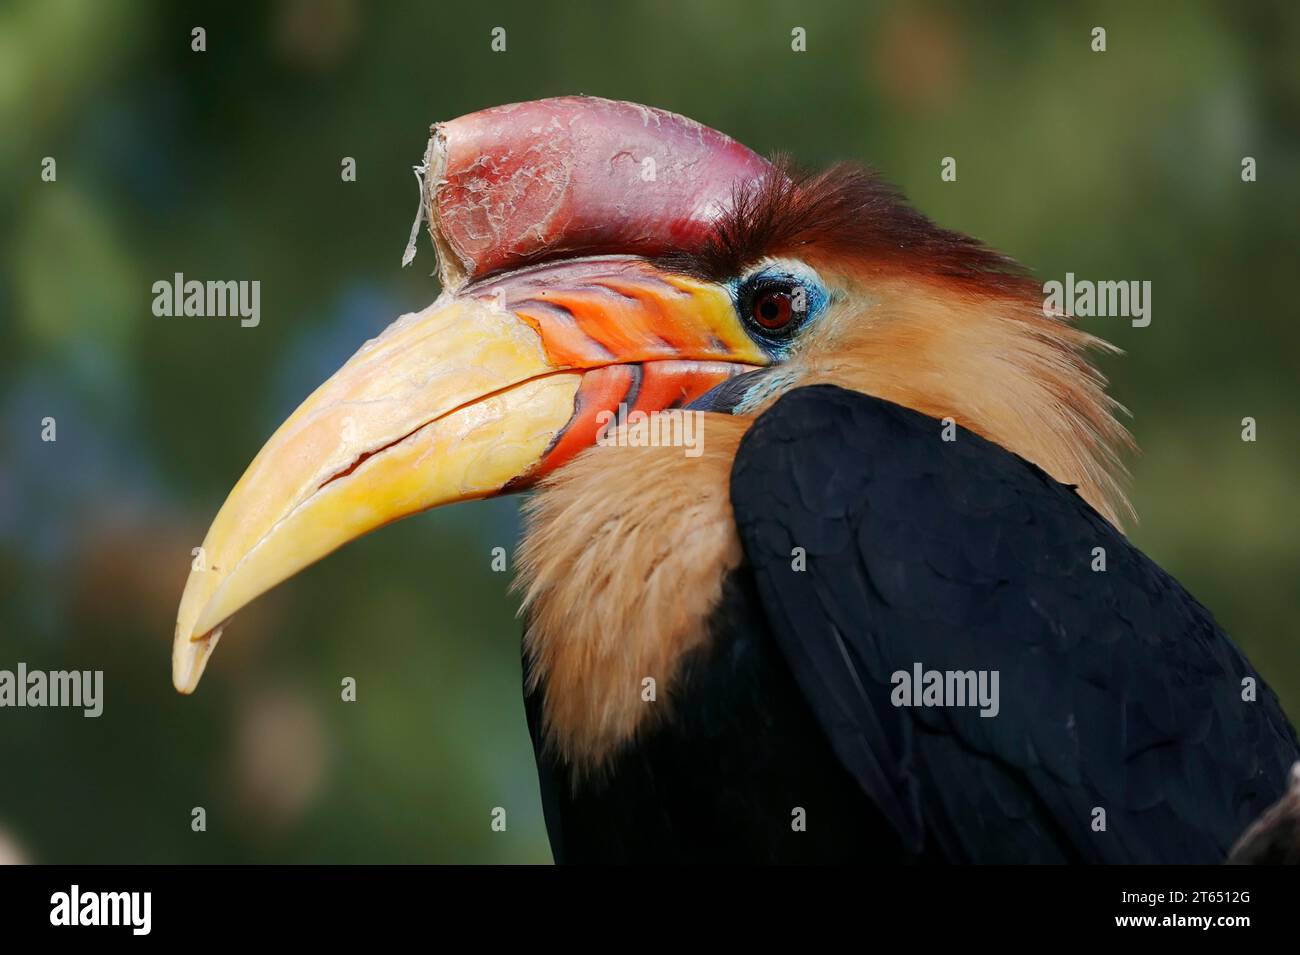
(601, 390)
(601, 311)
(654, 386)
(675, 384)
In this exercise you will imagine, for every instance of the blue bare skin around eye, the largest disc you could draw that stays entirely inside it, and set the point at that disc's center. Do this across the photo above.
(818, 299)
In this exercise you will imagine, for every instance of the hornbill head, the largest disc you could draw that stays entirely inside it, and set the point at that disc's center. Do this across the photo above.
(596, 254)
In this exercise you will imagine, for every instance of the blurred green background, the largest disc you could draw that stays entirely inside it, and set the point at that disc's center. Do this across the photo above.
(226, 165)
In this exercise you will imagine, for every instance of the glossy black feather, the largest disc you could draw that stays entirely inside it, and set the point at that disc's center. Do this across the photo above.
(719, 776)
(1117, 689)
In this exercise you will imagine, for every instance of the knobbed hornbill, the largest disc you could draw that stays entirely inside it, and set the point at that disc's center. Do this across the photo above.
(907, 466)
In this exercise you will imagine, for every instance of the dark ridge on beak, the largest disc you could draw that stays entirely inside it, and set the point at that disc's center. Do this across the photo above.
(725, 397)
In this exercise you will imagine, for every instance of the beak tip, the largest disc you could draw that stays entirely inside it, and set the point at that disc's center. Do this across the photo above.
(190, 657)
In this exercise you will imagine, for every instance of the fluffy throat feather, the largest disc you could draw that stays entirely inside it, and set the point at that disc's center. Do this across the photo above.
(623, 558)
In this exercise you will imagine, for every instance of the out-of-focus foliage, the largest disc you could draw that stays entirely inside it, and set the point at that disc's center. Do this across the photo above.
(225, 165)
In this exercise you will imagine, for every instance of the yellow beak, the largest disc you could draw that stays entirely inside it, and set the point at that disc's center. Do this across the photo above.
(470, 397)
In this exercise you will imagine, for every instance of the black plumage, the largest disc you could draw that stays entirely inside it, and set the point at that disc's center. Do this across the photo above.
(872, 545)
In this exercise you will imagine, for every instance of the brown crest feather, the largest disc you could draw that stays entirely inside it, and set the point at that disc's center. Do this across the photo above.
(848, 213)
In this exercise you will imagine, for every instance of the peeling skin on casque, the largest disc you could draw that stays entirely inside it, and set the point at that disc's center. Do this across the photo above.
(535, 196)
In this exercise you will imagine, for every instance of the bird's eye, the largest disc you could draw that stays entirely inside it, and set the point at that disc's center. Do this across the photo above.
(777, 301)
(773, 309)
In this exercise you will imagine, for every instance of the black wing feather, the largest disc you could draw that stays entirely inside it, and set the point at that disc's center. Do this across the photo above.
(1117, 689)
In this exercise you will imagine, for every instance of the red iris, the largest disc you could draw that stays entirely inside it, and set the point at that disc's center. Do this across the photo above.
(773, 310)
